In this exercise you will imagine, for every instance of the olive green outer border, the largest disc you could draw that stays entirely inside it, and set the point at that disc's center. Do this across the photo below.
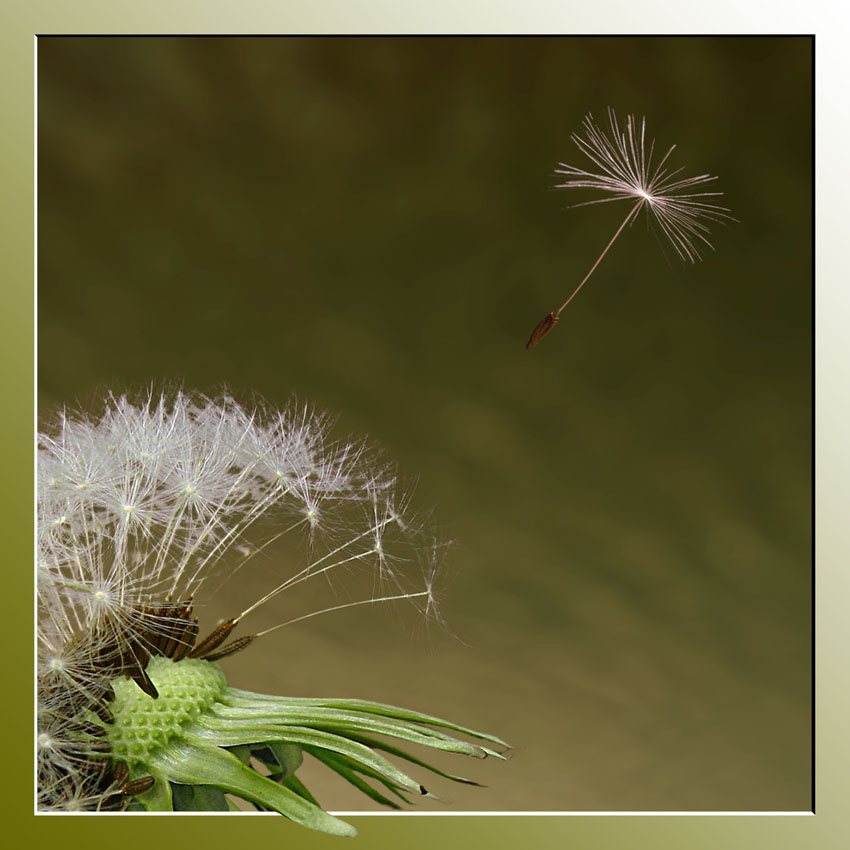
(20, 19)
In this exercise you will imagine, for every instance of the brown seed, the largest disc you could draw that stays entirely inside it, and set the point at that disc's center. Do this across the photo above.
(213, 640)
(233, 646)
(178, 632)
(543, 327)
(187, 641)
(141, 678)
(137, 786)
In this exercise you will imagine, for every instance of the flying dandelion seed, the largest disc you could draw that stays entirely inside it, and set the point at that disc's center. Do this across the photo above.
(626, 171)
(137, 511)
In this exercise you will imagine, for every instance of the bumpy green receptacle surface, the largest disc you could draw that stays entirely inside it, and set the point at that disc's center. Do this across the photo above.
(143, 724)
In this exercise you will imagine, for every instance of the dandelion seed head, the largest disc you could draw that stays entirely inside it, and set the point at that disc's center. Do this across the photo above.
(141, 508)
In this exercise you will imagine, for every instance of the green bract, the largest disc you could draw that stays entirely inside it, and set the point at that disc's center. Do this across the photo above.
(197, 739)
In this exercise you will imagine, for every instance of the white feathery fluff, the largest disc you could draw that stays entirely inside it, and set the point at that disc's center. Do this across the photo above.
(138, 508)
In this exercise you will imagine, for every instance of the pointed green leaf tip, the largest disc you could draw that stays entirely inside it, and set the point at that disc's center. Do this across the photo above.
(180, 738)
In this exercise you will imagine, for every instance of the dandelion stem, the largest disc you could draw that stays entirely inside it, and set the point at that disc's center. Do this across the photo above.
(627, 219)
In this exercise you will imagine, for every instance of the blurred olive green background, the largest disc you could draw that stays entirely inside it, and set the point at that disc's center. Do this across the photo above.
(370, 223)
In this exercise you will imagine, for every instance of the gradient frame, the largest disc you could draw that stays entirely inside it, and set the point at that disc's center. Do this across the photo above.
(826, 829)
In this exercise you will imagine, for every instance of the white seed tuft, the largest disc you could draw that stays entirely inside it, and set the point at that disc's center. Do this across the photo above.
(624, 170)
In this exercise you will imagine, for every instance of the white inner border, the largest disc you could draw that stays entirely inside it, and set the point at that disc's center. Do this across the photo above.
(395, 814)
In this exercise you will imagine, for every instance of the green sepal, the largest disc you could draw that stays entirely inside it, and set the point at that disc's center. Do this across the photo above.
(361, 706)
(280, 758)
(280, 713)
(242, 752)
(158, 797)
(345, 722)
(295, 784)
(349, 771)
(207, 732)
(198, 798)
(375, 744)
(211, 765)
